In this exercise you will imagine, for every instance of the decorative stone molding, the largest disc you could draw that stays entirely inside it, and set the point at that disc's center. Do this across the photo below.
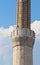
(23, 32)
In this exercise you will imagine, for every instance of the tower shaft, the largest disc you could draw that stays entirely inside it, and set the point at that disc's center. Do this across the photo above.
(23, 14)
(22, 37)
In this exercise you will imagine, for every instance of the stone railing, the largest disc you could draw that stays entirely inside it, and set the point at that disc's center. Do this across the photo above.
(23, 32)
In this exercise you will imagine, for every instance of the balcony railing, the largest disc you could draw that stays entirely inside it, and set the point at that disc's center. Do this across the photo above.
(23, 32)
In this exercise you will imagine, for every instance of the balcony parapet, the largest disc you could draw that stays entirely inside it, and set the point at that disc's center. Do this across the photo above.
(23, 32)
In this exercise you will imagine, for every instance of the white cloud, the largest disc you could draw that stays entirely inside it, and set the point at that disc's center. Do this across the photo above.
(5, 45)
(6, 32)
(5, 35)
(36, 26)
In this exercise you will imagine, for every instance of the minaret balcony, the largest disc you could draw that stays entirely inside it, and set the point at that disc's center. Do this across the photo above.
(22, 37)
(23, 32)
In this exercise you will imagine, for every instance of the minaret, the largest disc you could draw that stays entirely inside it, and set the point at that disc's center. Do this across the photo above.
(23, 37)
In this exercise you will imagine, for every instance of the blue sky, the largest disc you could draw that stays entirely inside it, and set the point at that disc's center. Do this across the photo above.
(35, 10)
(8, 12)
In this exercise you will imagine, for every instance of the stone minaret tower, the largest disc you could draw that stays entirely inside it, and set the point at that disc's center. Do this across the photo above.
(22, 36)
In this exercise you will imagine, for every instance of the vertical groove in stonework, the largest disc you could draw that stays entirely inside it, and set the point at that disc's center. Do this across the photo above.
(22, 55)
(28, 14)
(23, 14)
(17, 11)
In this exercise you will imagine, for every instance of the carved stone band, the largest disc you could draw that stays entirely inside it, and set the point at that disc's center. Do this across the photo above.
(23, 32)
